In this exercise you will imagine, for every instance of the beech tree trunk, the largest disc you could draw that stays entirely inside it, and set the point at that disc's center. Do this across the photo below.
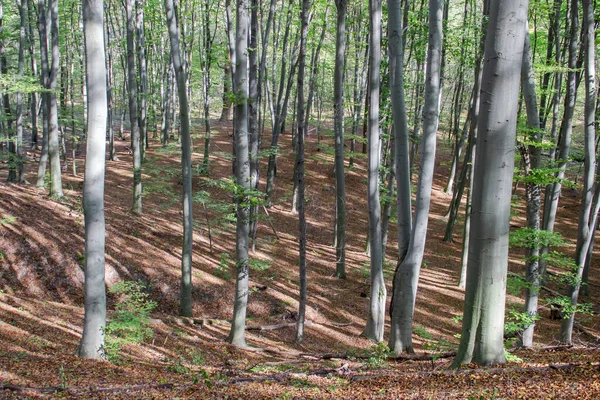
(590, 201)
(53, 147)
(338, 116)
(237, 335)
(92, 340)
(406, 278)
(133, 110)
(482, 339)
(185, 299)
(300, 170)
(376, 315)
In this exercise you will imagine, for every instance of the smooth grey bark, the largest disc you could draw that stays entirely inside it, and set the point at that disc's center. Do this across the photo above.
(133, 110)
(532, 161)
(401, 153)
(143, 68)
(552, 193)
(482, 339)
(590, 197)
(300, 171)
(16, 172)
(185, 295)
(92, 339)
(206, 56)
(53, 149)
(338, 117)
(376, 315)
(34, 72)
(406, 278)
(166, 106)
(237, 334)
(43, 33)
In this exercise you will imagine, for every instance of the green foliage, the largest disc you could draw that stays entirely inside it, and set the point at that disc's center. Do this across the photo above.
(259, 265)
(515, 283)
(223, 270)
(377, 355)
(129, 322)
(567, 308)
(7, 220)
(517, 321)
(422, 332)
(531, 238)
(511, 357)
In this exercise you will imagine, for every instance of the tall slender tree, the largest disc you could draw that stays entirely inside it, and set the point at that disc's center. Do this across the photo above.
(482, 339)
(237, 334)
(300, 170)
(185, 299)
(133, 109)
(376, 316)
(92, 340)
(338, 117)
(406, 278)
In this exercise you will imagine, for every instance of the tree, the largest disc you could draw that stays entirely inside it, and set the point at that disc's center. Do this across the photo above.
(92, 340)
(133, 110)
(237, 334)
(406, 278)
(300, 170)
(53, 150)
(185, 300)
(376, 316)
(482, 339)
(590, 201)
(338, 117)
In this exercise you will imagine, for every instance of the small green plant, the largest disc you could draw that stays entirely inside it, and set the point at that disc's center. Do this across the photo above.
(259, 265)
(517, 321)
(64, 379)
(563, 303)
(129, 322)
(377, 355)
(365, 269)
(7, 220)
(223, 270)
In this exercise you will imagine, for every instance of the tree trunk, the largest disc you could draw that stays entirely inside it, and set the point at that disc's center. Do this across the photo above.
(143, 86)
(43, 33)
(242, 173)
(376, 316)
(185, 301)
(590, 201)
(133, 110)
(406, 278)
(53, 147)
(532, 160)
(300, 170)
(482, 339)
(92, 340)
(338, 116)
(552, 193)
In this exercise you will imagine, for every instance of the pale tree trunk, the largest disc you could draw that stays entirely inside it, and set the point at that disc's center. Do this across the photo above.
(552, 193)
(300, 170)
(34, 96)
(53, 147)
(133, 111)
(338, 116)
(143, 86)
(185, 301)
(206, 55)
(482, 339)
(472, 147)
(92, 340)
(242, 173)
(402, 163)
(376, 315)
(406, 278)
(590, 201)
(16, 171)
(43, 33)
(532, 159)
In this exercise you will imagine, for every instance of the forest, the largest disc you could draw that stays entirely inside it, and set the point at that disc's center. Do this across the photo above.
(312, 199)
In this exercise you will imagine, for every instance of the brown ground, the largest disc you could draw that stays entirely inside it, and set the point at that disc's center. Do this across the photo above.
(41, 298)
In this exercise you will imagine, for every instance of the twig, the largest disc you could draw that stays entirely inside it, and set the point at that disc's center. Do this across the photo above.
(208, 225)
(270, 223)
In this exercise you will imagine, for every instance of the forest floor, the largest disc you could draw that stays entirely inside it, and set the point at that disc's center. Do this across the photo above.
(41, 293)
